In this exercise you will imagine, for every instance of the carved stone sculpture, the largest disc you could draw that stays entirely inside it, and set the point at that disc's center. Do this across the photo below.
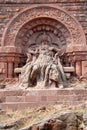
(43, 67)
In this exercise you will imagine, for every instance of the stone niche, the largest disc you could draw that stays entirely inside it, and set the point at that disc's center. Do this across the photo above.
(26, 29)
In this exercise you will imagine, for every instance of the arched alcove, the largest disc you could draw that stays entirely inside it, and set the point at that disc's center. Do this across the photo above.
(44, 11)
(32, 32)
(28, 27)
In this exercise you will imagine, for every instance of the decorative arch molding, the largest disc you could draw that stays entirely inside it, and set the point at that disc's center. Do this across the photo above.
(59, 34)
(41, 11)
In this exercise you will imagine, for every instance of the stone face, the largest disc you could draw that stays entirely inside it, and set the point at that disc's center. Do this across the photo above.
(23, 22)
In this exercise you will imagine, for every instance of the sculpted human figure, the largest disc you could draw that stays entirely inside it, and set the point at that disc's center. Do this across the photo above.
(54, 72)
(43, 65)
(26, 69)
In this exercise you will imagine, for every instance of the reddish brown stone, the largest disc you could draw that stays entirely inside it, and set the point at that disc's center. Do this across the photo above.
(69, 18)
(43, 98)
(15, 98)
(31, 98)
(19, 25)
(12, 101)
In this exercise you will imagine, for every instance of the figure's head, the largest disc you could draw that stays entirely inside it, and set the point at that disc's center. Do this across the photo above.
(45, 39)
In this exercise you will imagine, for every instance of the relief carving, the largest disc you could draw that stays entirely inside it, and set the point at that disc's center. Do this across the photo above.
(44, 11)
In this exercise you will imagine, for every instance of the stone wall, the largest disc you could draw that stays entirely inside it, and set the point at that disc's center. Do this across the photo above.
(10, 8)
(20, 99)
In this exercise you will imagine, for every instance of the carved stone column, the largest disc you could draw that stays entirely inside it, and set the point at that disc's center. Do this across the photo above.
(10, 70)
(79, 68)
(15, 66)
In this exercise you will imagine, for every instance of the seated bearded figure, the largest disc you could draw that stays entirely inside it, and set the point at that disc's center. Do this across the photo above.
(43, 67)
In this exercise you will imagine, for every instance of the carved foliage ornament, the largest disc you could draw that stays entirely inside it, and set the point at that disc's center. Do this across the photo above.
(58, 14)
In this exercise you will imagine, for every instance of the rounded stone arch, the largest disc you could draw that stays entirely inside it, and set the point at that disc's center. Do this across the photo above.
(56, 13)
(43, 24)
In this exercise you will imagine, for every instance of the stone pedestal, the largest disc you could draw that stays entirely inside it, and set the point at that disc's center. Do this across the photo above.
(21, 99)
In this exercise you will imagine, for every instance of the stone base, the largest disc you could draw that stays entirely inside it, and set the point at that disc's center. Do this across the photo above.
(21, 99)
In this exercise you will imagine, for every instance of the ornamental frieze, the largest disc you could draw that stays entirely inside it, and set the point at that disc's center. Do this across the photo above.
(76, 32)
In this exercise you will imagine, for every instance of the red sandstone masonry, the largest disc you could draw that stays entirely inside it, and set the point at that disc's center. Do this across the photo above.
(31, 99)
(38, 1)
(77, 8)
(20, 99)
(14, 93)
(15, 98)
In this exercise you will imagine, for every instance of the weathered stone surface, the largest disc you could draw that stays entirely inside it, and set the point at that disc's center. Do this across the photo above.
(85, 119)
(71, 120)
(43, 67)
(63, 26)
(22, 99)
(37, 1)
(48, 121)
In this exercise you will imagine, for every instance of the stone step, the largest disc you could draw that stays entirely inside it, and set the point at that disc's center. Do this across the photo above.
(20, 99)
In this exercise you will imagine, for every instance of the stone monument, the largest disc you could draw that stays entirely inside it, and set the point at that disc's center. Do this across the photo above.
(43, 67)
(42, 44)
